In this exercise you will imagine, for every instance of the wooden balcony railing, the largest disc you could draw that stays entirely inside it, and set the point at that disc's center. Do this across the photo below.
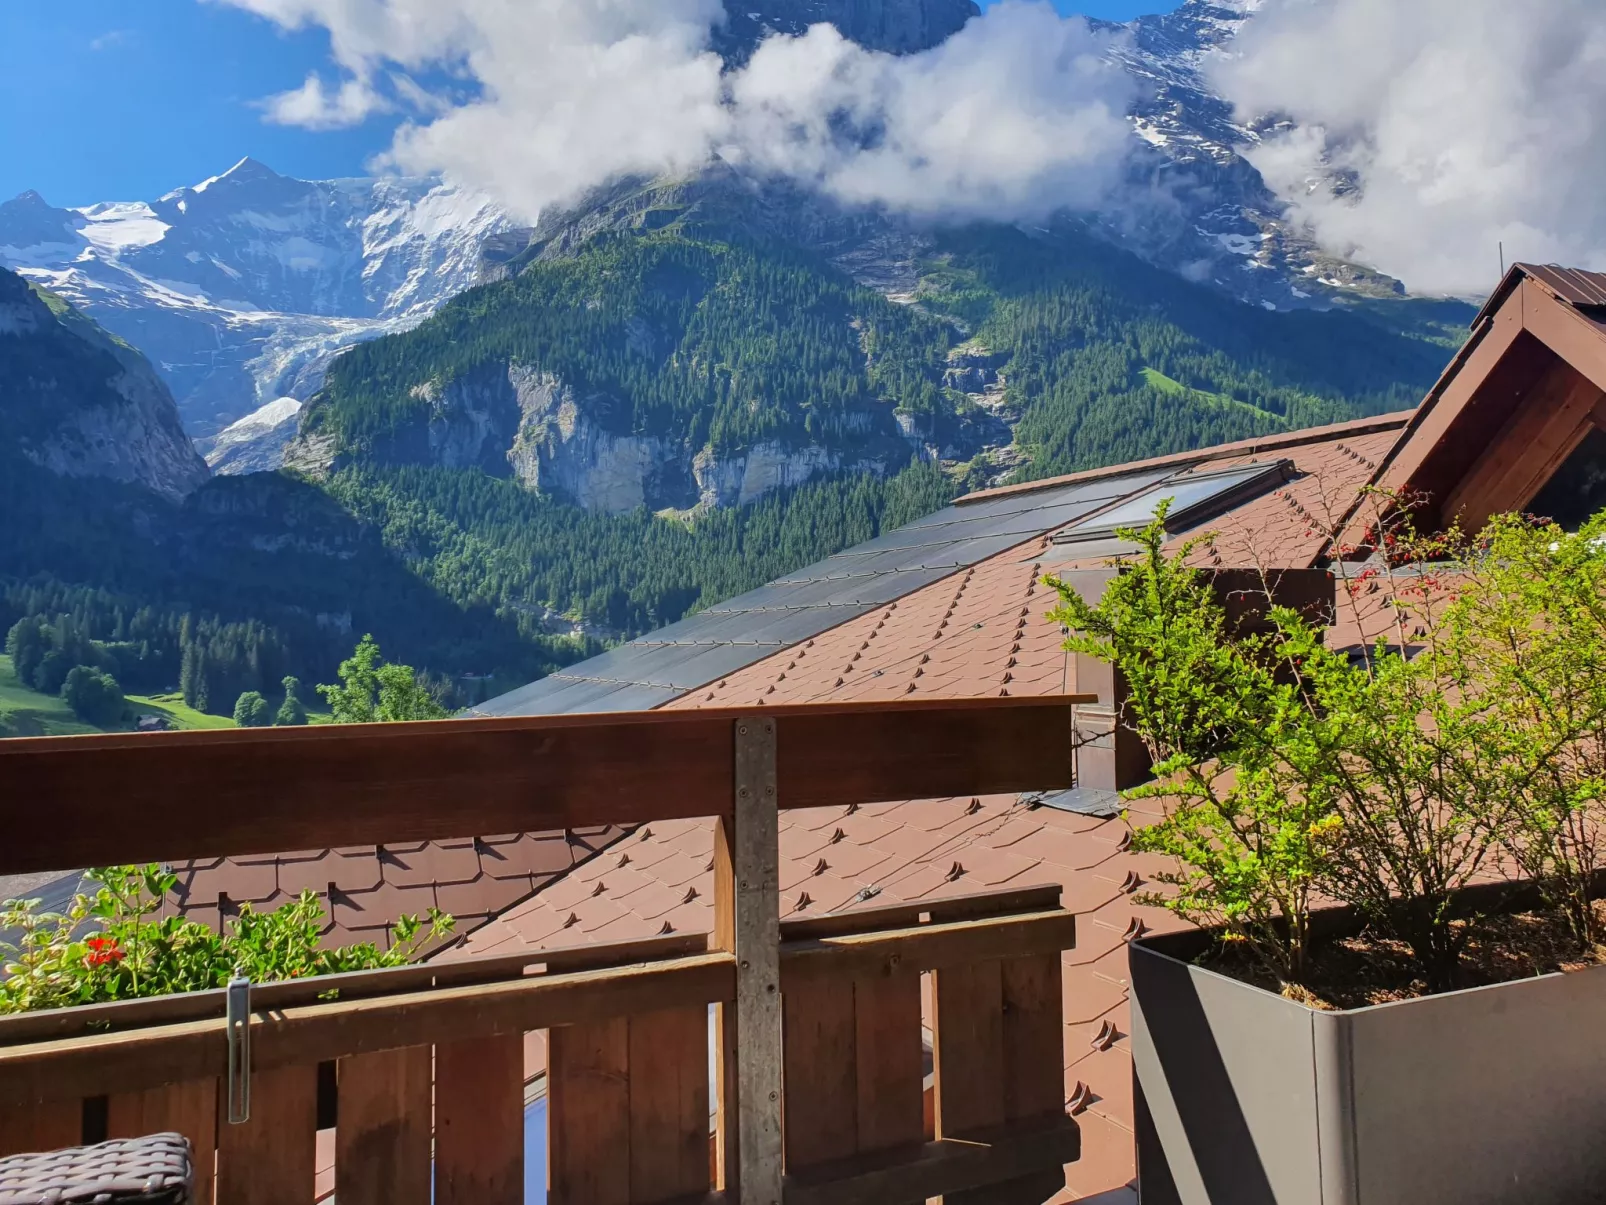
(819, 1094)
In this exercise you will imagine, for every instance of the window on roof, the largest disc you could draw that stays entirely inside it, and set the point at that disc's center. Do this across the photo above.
(1578, 488)
(1195, 498)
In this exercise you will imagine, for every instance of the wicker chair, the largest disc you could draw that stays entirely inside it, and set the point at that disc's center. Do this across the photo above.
(131, 1171)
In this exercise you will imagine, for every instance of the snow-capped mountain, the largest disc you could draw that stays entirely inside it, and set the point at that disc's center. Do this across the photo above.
(243, 287)
(1218, 223)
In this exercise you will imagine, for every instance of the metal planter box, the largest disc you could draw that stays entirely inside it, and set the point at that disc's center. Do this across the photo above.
(1478, 1097)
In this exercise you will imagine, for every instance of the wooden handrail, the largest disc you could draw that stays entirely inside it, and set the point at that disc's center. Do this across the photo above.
(58, 1023)
(69, 802)
(289, 1032)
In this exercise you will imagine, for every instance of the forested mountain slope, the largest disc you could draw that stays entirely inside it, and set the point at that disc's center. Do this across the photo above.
(696, 359)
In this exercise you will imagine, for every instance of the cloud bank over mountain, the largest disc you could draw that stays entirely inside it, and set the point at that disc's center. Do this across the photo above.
(1419, 136)
(1017, 114)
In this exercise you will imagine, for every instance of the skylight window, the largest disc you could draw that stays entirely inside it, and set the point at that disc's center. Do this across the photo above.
(1195, 498)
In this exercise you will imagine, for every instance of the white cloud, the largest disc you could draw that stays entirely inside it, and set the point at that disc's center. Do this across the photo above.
(317, 108)
(1015, 115)
(1453, 125)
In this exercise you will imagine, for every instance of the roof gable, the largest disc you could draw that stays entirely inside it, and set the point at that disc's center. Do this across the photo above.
(1521, 394)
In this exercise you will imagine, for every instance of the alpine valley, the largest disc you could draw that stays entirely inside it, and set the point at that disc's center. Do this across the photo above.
(501, 446)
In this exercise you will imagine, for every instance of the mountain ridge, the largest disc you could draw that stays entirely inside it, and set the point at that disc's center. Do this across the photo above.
(82, 403)
(242, 289)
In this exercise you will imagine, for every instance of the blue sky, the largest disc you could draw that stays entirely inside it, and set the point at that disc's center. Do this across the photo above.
(120, 100)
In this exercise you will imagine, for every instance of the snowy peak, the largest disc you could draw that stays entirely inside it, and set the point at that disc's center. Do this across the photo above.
(247, 171)
(243, 287)
(28, 220)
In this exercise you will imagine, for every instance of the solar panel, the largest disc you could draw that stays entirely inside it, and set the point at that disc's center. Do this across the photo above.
(1195, 498)
(704, 648)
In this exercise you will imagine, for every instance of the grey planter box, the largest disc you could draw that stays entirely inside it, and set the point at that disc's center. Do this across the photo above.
(1484, 1096)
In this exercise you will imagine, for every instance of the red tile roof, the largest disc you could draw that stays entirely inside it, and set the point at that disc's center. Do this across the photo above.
(1259, 445)
(365, 889)
(981, 631)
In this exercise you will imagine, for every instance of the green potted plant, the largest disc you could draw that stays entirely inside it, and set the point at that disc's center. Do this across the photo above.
(1358, 1016)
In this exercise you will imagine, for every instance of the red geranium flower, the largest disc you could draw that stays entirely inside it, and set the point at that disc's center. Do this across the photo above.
(103, 951)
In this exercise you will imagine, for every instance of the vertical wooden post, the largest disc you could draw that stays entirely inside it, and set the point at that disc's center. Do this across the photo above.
(747, 921)
(272, 1159)
(479, 1121)
(382, 1142)
(188, 1108)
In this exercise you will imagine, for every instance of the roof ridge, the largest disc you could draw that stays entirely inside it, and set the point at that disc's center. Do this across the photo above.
(1264, 443)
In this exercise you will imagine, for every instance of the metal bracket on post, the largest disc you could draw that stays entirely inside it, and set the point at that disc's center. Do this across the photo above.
(238, 1029)
(758, 963)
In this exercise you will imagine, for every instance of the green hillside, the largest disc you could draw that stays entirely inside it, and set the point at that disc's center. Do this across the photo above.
(715, 343)
(26, 712)
(1110, 360)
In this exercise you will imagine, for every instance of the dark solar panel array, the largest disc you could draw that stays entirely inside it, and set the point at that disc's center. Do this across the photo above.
(661, 666)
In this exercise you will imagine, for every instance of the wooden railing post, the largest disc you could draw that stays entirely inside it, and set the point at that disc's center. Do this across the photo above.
(747, 923)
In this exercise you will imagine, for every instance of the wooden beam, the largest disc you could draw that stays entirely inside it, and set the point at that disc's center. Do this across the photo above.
(927, 947)
(272, 1159)
(1575, 337)
(934, 1169)
(1548, 424)
(756, 870)
(122, 1062)
(1010, 902)
(189, 1109)
(1466, 375)
(479, 1121)
(383, 1142)
(123, 798)
(353, 985)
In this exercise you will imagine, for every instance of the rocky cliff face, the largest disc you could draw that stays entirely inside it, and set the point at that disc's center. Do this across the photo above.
(80, 403)
(513, 420)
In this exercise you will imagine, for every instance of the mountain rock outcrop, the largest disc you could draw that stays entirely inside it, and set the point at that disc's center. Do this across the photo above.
(81, 403)
(255, 443)
(515, 420)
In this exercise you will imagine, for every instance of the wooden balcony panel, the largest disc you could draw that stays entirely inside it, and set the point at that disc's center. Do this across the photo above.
(479, 1121)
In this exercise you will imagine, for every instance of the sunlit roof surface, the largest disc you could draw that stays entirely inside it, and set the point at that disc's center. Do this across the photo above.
(703, 648)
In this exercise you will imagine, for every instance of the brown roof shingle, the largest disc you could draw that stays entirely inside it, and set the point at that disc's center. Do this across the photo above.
(366, 888)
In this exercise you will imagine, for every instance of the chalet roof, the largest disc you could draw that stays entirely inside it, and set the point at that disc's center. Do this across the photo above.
(953, 606)
(932, 558)
(1516, 400)
(979, 628)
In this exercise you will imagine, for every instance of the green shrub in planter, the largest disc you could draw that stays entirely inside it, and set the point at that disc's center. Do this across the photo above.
(1470, 736)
